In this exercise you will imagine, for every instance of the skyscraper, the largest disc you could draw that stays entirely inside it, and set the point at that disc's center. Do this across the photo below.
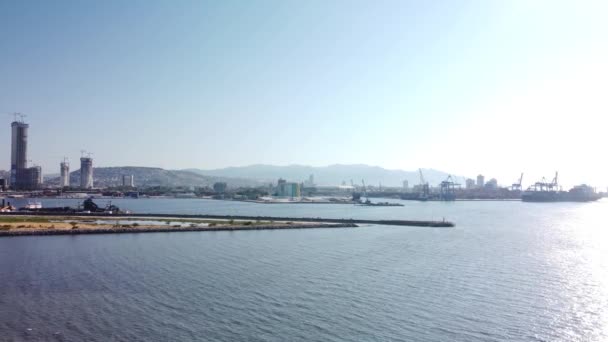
(18, 153)
(64, 180)
(86, 173)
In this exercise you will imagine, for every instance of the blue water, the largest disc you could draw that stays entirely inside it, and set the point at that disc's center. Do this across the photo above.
(509, 271)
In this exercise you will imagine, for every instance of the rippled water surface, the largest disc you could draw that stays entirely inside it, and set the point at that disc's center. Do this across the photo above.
(509, 271)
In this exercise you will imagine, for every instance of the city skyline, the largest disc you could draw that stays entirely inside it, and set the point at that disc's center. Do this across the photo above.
(203, 85)
(19, 163)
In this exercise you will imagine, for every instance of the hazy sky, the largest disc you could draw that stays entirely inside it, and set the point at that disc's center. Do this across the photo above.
(492, 87)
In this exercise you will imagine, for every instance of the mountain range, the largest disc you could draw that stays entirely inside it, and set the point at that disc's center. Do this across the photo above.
(328, 175)
(255, 175)
(149, 177)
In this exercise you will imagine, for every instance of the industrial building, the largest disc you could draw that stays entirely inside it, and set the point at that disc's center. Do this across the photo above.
(64, 174)
(86, 173)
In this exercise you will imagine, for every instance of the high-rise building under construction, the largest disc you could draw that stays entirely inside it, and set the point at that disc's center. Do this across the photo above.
(86, 173)
(64, 175)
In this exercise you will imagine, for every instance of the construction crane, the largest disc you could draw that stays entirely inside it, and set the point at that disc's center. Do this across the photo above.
(84, 153)
(517, 186)
(18, 117)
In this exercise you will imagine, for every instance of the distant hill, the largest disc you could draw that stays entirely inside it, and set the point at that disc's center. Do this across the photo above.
(329, 175)
(150, 176)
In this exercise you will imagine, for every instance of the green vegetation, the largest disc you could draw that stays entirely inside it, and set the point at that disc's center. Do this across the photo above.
(19, 219)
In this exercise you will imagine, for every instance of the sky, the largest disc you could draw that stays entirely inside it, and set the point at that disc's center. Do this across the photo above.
(467, 87)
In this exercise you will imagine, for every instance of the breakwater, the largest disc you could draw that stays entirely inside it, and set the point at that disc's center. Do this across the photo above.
(412, 223)
(156, 229)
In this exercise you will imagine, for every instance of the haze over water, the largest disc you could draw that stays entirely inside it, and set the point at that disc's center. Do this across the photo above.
(509, 271)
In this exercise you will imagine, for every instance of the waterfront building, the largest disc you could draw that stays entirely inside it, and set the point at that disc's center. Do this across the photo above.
(18, 153)
(310, 182)
(32, 178)
(3, 184)
(220, 187)
(64, 174)
(470, 183)
(480, 181)
(288, 189)
(128, 181)
(492, 184)
(86, 173)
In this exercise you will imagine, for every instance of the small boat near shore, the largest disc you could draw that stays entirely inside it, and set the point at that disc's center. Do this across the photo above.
(369, 203)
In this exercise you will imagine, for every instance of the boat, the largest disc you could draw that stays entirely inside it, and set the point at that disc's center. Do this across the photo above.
(550, 192)
(379, 204)
(33, 205)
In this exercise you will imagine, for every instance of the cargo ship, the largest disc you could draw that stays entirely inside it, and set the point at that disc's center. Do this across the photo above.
(550, 192)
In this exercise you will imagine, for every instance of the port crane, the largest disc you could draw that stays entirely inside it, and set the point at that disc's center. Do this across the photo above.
(448, 189)
(517, 186)
(424, 187)
(543, 185)
(553, 185)
(364, 190)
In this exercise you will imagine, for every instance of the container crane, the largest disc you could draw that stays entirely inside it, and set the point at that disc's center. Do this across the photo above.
(424, 188)
(448, 189)
(517, 186)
